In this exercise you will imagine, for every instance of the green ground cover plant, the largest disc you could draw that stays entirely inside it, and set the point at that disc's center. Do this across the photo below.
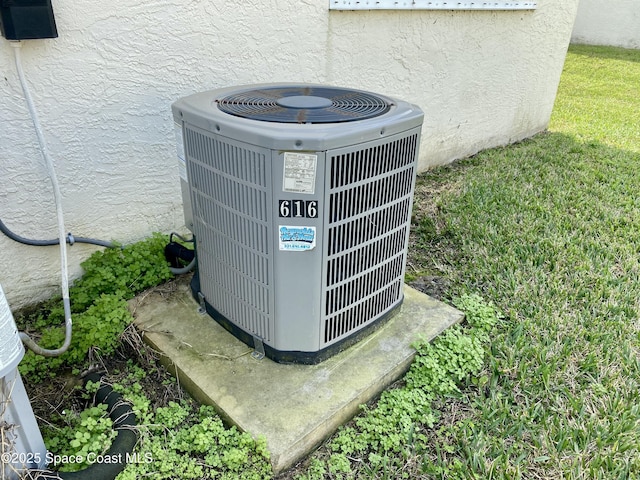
(177, 437)
(98, 301)
(391, 435)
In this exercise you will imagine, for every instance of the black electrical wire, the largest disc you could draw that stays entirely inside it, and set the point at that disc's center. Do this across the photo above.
(44, 243)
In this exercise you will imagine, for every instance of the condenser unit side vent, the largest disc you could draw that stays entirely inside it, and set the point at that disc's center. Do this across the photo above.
(355, 166)
(230, 198)
(369, 203)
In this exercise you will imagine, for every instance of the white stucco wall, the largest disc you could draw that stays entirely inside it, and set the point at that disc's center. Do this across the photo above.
(105, 86)
(608, 22)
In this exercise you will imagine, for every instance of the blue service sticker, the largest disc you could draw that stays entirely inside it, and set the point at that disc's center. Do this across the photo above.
(297, 239)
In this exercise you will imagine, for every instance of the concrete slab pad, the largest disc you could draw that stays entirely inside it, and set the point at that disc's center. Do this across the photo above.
(295, 407)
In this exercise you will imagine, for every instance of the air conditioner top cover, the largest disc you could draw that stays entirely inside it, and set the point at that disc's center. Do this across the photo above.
(317, 117)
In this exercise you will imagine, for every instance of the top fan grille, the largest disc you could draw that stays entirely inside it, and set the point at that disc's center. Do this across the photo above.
(304, 104)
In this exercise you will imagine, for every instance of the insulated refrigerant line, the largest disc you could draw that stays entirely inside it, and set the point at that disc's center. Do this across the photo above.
(28, 341)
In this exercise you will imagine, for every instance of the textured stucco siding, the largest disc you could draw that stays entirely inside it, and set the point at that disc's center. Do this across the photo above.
(104, 88)
(608, 22)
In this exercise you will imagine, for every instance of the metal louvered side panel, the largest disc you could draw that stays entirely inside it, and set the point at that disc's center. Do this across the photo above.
(230, 194)
(368, 217)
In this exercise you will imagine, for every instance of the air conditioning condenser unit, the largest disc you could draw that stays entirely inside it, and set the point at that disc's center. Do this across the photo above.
(299, 198)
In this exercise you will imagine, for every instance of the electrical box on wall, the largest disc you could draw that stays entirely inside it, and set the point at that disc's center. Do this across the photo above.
(27, 19)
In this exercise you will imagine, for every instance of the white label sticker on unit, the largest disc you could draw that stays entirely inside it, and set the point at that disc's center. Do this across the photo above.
(297, 239)
(182, 164)
(299, 172)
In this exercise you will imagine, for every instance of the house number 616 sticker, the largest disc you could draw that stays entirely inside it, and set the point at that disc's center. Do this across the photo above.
(298, 208)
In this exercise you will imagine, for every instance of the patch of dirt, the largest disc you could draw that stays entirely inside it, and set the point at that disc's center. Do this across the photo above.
(431, 243)
(433, 286)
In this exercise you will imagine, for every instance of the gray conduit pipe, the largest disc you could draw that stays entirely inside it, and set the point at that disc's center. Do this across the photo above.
(71, 239)
(124, 422)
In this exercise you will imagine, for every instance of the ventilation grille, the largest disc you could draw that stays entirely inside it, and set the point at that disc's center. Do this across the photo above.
(369, 207)
(230, 197)
(352, 167)
(304, 104)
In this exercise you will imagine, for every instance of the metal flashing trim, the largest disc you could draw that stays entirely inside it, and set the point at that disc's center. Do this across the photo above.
(428, 5)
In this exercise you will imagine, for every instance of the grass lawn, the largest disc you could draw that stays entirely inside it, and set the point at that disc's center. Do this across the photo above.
(549, 231)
